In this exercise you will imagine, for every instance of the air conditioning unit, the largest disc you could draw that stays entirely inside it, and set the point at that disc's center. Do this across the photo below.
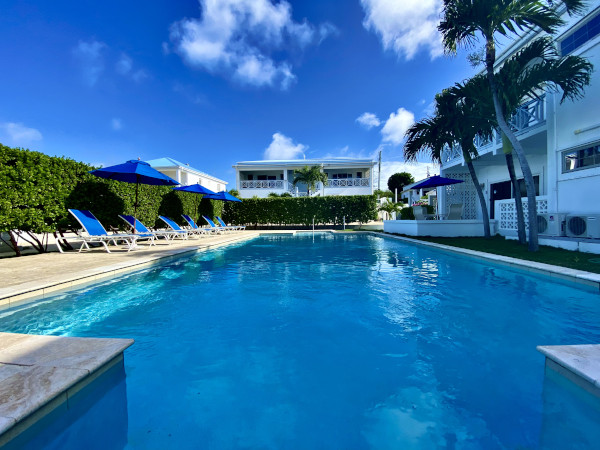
(583, 226)
(552, 224)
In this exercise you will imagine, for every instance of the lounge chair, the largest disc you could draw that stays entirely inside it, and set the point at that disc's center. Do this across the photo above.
(420, 213)
(235, 227)
(143, 229)
(455, 211)
(194, 227)
(214, 227)
(96, 233)
(183, 234)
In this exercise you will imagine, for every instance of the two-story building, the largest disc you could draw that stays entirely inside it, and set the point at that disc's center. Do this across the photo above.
(187, 175)
(344, 177)
(562, 146)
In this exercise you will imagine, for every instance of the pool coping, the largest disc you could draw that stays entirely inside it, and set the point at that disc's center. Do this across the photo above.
(578, 363)
(33, 291)
(564, 273)
(40, 373)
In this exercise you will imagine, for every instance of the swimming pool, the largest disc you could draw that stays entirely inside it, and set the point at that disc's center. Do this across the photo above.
(332, 341)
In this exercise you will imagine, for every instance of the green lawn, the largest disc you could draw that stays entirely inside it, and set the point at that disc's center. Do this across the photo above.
(499, 246)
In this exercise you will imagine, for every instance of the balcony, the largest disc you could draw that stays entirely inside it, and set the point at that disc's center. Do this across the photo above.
(341, 186)
(529, 116)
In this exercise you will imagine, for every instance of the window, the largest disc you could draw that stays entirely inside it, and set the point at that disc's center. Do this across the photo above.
(341, 176)
(358, 174)
(250, 177)
(583, 158)
(261, 177)
(580, 36)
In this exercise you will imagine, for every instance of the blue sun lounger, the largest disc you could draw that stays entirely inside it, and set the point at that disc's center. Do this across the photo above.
(96, 233)
(144, 230)
(183, 234)
(214, 227)
(194, 227)
(233, 227)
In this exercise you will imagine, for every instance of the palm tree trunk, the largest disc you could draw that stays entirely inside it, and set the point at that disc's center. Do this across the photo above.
(518, 202)
(527, 175)
(484, 209)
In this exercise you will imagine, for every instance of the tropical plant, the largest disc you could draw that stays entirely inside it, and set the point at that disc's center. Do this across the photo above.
(390, 207)
(454, 123)
(399, 180)
(462, 20)
(309, 176)
(535, 68)
(234, 192)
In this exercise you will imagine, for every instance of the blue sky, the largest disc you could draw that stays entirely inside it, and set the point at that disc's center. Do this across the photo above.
(213, 82)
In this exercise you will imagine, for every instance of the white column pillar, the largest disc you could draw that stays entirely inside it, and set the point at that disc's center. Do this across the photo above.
(238, 185)
(285, 179)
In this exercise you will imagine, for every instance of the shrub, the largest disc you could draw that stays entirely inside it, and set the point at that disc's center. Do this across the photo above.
(36, 190)
(301, 210)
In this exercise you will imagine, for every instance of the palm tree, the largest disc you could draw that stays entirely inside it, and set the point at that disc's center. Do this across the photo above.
(462, 19)
(455, 123)
(309, 176)
(535, 68)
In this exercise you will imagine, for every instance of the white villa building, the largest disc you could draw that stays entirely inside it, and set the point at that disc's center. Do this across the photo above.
(186, 175)
(562, 145)
(344, 177)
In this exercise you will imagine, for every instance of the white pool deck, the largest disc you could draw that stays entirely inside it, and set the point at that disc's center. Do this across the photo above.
(37, 373)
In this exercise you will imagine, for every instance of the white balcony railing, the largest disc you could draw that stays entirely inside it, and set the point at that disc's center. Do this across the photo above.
(261, 184)
(528, 116)
(348, 182)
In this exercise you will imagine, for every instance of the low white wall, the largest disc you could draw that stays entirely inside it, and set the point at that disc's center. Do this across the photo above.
(437, 228)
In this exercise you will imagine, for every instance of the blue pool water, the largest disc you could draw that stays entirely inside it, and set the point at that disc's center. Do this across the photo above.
(335, 341)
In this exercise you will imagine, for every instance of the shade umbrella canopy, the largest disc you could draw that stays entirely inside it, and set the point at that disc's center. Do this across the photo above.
(435, 181)
(225, 196)
(138, 172)
(134, 171)
(195, 188)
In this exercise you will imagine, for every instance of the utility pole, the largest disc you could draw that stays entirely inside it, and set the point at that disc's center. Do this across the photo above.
(379, 175)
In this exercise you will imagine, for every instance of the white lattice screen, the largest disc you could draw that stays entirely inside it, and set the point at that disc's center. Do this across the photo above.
(462, 193)
(508, 212)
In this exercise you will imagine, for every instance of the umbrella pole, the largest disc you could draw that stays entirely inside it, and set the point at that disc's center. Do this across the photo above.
(135, 205)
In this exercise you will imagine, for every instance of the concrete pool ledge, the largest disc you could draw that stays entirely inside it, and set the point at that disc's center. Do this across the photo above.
(578, 363)
(578, 276)
(39, 374)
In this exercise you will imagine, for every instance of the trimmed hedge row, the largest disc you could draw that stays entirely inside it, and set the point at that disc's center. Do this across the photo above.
(301, 210)
(36, 190)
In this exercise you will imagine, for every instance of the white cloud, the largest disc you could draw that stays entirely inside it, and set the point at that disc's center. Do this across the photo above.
(89, 56)
(368, 120)
(282, 147)
(116, 124)
(396, 125)
(237, 38)
(124, 67)
(405, 26)
(19, 134)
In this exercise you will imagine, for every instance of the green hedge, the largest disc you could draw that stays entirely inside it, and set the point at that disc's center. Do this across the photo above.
(36, 190)
(301, 210)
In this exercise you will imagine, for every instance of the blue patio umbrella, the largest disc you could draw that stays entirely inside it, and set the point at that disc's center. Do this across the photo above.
(435, 181)
(138, 172)
(225, 196)
(196, 189)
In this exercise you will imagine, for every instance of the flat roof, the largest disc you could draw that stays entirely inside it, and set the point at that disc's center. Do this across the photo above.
(306, 162)
(167, 162)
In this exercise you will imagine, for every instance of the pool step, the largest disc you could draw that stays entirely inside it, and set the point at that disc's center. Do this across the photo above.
(39, 373)
(578, 363)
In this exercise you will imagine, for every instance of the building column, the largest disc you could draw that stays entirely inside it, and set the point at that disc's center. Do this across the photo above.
(238, 185)
(285, 179)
